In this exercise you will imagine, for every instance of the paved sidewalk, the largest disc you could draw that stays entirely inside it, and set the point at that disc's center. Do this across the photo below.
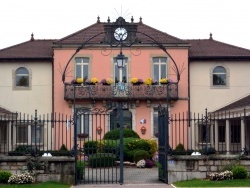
(158, 185)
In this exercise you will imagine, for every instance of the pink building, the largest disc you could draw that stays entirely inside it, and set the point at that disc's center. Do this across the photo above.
(150, 55)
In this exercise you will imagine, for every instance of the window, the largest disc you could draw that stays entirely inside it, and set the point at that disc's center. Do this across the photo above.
(204, 133)
(235, 125)
(27, 133)
(82, 67)
(219, 76)
(159, 68)
(121, 74)
(155, 125)
(222, 130)
(115, 119)
(22, 77)
(83, 123)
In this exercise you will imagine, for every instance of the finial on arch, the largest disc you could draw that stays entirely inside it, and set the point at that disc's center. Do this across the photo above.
(32, 37)
(132, 19)
(108, 20)
(211, 36)
(98, 19)
(140, 19)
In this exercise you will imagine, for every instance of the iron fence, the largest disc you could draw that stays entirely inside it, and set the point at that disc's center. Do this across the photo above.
(22, 134)
(220, 133)
(210, 133)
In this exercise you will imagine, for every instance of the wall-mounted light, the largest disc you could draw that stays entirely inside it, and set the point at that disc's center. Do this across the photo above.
(143, 130)
(99, 130)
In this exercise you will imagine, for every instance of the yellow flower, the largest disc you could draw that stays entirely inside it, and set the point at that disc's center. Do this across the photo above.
(134, 80)
(94, 80)
(109, 81)
(79, 80)
(164, 81)
(149, 81)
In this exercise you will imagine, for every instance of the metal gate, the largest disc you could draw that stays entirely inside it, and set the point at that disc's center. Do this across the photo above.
(96, 160)
(163, 143)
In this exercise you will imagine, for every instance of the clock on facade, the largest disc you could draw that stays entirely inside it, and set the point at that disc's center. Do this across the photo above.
(120, 33)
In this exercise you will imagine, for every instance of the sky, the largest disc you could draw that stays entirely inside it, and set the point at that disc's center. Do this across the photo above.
(227, 20)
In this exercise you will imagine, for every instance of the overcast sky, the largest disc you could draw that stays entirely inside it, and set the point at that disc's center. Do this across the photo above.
(227, 20)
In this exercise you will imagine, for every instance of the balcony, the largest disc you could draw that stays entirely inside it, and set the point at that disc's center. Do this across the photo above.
(120, 92)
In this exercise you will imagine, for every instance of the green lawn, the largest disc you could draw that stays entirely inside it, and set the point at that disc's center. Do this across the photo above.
(37, 185)
(208, 183)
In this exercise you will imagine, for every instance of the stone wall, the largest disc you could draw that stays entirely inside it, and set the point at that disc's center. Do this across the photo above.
(60, 169)
(200, 167)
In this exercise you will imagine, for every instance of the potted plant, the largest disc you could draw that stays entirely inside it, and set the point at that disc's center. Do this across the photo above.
(164, 81)
(91, 81)
(107, 81)
(77, 81)
(150, 81)
(136, 81)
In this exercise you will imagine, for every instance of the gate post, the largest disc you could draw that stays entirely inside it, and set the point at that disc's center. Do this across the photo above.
(163, 143)
(121, 142)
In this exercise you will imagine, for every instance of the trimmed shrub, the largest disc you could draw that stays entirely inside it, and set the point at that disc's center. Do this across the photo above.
(115, 134)
(208, 151)
(102, 160)
(90, 147)
(63, 148)
(239, 172)
(24, 150)
(179, 150)
(140, 154)
(108, 146)
(4, 176)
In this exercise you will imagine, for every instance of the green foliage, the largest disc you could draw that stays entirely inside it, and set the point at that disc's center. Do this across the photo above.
(179, 150)
(239, 172)
(115, 134)
(133, 144)
(137, 155)
(80, 167)
(102, 160)
(108, 146)
(208, 151)
(63, 148)
(23, 150)
(90, 147)
(4, 176)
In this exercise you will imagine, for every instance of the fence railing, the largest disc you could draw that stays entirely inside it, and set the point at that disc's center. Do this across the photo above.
(219, 133)
(22, 134)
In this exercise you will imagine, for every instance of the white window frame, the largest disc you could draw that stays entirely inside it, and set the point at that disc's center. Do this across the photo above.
(82, 64)
(15, 75)
(159, 63)
(212, 79)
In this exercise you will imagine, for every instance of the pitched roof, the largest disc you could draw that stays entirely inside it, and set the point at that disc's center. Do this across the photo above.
(32, 49)
(241, 103)
(97, 31)
(4, 111)
(208, 49)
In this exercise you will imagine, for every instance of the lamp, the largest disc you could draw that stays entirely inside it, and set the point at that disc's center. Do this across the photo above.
(99, 130)
(143, 130)
(120, 60)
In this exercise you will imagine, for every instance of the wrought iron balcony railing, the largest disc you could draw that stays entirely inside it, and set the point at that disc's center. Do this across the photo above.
(121, 92)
